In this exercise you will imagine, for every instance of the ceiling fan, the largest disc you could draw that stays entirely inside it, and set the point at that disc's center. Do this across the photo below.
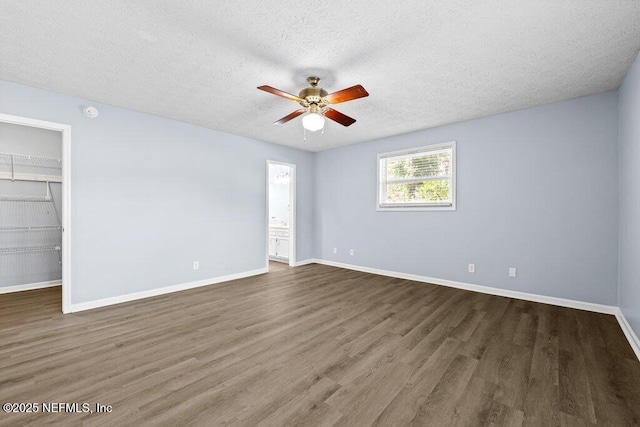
(316, 101)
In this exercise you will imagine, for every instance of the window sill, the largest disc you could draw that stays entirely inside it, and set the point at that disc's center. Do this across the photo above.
(416, 208)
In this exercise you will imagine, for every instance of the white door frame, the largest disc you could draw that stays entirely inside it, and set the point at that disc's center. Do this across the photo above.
(292, 212)
(65, 130)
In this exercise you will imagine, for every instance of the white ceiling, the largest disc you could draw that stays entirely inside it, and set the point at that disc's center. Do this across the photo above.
(424, 63)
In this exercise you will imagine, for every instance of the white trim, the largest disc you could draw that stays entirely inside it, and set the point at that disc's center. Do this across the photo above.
(306, 262)
(266, 196)
(292, 216)
(562, 302)
(29, 286)
(408, 152)
(292, 211)
(628, 332)
(66, 195)
(161, 291)
(448, 207)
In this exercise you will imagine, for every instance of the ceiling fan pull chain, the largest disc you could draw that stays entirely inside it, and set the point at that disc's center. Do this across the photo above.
(305, 134)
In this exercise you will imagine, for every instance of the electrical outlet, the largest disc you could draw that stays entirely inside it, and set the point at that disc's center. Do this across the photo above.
(335, 250)
(472, 268)
(351, 252)
(196, 265)
(512, 272)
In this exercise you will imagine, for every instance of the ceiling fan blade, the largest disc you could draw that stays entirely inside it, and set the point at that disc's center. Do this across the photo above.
(337, 116)
(344, 95)
(279, 92)
(291, 116)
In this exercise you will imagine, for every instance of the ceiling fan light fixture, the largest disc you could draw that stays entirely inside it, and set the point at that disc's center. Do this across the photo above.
(313, 122)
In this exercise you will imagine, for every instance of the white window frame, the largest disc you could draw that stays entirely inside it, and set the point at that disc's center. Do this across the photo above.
(417, 150)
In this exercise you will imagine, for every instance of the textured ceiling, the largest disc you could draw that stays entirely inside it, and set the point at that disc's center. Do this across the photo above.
(424, 63)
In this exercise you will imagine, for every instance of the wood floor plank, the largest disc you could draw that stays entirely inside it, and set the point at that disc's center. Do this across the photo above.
(363, 404)
(384, 350)
(403, 408)
(317, 345)
(476, 407)
(575, 391)
(439, 407)
(300, 409)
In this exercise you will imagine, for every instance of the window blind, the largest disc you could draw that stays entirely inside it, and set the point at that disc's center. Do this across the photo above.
(418, 178)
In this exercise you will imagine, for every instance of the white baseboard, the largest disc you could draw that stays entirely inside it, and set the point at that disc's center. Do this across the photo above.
(161, 291)
(29, 286)
(628, 332)
(305, 262)
(562, 302)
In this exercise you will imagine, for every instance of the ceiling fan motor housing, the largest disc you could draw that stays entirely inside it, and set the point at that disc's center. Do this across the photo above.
(313, 95)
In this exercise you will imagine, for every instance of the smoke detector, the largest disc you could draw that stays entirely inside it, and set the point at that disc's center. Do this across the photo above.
(91, 112)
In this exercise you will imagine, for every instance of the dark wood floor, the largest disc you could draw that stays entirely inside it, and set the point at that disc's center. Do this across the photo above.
(317, 345)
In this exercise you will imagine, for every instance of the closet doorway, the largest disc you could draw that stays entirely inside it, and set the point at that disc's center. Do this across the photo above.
(281, 213)
(35, 206)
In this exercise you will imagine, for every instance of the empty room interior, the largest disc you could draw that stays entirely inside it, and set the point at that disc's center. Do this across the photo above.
(307, 213)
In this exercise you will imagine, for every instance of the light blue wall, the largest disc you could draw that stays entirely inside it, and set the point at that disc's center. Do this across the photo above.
(629, 146)
(151, 195)
(537, 190)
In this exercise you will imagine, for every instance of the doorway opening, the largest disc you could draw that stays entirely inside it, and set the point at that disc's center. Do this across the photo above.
(281, 213)
(35, 204)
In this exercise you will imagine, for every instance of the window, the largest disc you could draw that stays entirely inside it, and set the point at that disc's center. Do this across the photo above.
(418, 179)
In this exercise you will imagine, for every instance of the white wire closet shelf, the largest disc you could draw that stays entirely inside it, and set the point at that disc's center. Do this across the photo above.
(27, 211)
(31, 228)
(25, 199)
(25, 249)
(19, 268)
(25, 167)
(40, 235)
(30, 235)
